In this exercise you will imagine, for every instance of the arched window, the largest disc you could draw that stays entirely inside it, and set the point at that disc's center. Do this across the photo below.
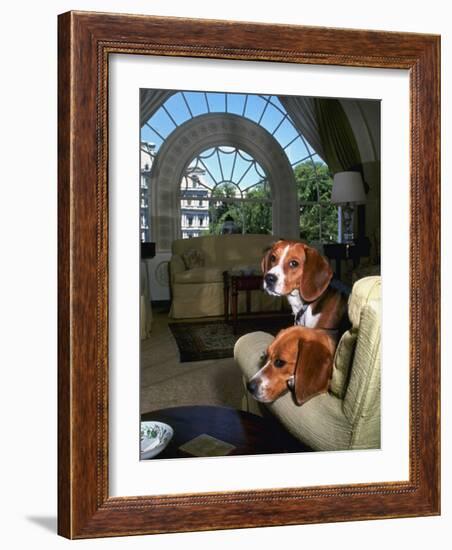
(317, 219)
(225, 190)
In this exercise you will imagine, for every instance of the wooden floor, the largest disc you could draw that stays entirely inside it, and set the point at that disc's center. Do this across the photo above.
(165, 382)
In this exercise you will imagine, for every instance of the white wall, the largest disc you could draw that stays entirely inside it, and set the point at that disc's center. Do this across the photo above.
(28, 271)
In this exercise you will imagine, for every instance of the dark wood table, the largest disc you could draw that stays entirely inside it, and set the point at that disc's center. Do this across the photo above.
(249, 433)
(234, 283)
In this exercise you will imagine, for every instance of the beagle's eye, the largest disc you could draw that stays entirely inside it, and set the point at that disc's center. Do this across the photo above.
(293, 264)
(279, 363)
(273, 258)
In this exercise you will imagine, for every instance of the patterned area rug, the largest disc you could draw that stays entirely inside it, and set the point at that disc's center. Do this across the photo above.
(202, 340)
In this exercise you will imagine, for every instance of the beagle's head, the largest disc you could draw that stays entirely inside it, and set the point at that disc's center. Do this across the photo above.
(291, 265)
(299, 359)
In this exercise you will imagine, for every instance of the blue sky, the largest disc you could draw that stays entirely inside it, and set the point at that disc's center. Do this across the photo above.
(184, 105)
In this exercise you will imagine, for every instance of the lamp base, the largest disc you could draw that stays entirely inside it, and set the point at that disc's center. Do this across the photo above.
(347, 219)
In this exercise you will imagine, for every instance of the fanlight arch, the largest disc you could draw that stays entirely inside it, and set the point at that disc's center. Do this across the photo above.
(210, 132)
(222, 184)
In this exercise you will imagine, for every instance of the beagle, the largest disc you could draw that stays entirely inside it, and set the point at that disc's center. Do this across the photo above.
(299, 359)
(295, 270)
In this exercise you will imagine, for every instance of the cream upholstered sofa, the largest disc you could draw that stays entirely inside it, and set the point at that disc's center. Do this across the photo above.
(197, 291)
(348, 416)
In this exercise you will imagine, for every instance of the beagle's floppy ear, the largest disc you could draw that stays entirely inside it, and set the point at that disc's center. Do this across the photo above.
(266, 260)
(265, 263)
(316, 276)
(313, 370)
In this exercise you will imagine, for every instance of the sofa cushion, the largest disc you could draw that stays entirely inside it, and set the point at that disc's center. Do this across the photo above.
(365, 292)
(193, 257)
(363, 388)
(251, 269)
(342, 361)
(226, 249)
(200, 275)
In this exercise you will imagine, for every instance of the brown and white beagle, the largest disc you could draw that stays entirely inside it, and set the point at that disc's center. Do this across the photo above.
(298, 271)
(299, 359)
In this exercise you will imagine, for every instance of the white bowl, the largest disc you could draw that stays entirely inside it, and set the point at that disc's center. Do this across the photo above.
(154, 437)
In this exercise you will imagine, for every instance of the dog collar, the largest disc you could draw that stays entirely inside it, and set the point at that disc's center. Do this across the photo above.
(301, 312)
(305, 306)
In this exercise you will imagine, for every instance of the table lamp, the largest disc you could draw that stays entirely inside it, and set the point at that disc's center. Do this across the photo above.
(348, 190)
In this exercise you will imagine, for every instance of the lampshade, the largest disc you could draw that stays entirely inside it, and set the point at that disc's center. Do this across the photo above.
(348, 187)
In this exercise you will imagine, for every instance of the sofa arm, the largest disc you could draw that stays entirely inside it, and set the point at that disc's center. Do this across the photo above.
(176, 266)
(248, 352)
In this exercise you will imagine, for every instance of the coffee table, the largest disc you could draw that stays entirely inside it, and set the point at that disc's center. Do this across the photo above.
(250, 434)
(237, 282)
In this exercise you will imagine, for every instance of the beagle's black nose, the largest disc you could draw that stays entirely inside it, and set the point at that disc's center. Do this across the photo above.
(270, 279)
(251, 386)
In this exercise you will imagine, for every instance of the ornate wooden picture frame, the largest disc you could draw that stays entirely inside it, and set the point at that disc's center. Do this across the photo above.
(86, 40)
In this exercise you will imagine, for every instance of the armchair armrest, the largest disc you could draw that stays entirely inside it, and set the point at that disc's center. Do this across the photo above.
(176, 266)
(362, 398)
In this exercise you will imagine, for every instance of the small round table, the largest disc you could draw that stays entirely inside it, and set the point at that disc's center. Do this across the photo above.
(250, 434)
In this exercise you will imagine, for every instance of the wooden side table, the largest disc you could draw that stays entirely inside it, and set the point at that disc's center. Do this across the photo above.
(234, 283)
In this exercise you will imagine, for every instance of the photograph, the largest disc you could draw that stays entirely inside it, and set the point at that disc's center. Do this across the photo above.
(248, 274)
(227, 328)
(260, 281)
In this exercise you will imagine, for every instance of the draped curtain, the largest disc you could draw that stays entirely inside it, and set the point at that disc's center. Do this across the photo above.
(336, 134)
(325, 125)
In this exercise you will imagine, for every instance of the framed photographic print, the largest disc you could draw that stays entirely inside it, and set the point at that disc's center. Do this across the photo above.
(248, 229)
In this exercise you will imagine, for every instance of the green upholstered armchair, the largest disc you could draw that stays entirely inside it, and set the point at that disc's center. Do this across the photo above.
(348, 416)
